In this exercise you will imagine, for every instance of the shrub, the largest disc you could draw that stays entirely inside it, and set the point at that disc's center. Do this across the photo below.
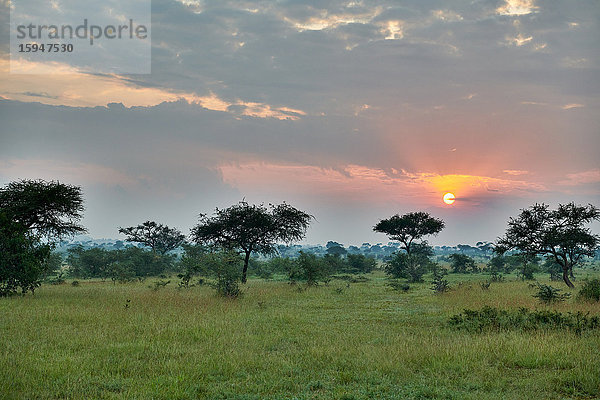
(360, 263)
(411, 266)
(493, 319)
(496, 277)
(548, 294)
(310, 269)
(590, 291)
(227, 270)
(399, 286)
(462, 263)
(439, 284)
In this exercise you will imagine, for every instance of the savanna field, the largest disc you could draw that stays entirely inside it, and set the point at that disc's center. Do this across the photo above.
(343, 340)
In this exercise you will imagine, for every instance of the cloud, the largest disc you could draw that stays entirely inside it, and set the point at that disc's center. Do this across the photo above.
(517, 7)
(357, 183)
(515, 172)
(519, 40)
(580, 178)
(572, 105)
(71, 87)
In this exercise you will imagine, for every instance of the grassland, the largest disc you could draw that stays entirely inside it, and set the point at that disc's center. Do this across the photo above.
(365, 341)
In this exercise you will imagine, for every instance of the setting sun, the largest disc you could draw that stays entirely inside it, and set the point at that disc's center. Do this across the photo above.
(449, 198)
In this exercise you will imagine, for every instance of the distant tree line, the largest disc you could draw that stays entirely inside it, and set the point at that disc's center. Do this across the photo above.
(36, 215)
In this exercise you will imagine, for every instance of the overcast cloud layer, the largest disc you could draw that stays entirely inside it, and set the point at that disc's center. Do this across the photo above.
(352, 111)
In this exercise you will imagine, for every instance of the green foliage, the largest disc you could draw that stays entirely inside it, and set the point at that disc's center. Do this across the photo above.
(411, 266)
(548, 294)
(22, 258)
(493, 319)
(462, 263)
(439, 285)
(160, 238)
(251, 228)
(496, 277)
(260, 269)
(49, 209)
(225, 267)
(398, 286)
(553, 268)
(191, 263)
(590, 291)
(560, 233)
(497, 265)
(360, 263)
(310, 269)
(118, 265)
(409, 227)
(33, 215)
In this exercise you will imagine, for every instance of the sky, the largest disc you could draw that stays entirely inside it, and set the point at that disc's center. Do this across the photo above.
(350, 110)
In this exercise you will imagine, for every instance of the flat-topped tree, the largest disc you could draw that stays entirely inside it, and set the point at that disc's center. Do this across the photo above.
(251, 228)
(409, 227)
(46, 208)
(160, 238)
(559, 233)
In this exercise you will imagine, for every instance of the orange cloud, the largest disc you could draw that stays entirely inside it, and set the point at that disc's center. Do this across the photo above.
(70, 87)
(358, 183)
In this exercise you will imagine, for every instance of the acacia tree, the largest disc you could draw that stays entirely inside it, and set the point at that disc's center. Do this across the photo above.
(51, 209)
(158, 237)
(409, 227)
(560, 234)
(33, 215)
(251, 228)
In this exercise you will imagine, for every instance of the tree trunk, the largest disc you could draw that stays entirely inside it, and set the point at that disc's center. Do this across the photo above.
(245, 270)
(566, 276)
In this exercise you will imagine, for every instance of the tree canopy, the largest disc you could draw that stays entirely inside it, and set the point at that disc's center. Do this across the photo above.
(409, 227)
(160, 238)
(51, 209)
(251, 228)
(559, 233)
(33, 214)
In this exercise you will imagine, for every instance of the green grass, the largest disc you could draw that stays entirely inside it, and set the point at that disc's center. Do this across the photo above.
(362, 342)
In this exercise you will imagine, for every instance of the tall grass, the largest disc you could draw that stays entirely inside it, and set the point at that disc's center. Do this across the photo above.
(364, 341)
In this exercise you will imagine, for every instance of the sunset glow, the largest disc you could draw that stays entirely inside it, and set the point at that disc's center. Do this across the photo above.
(449, 198)
(284, 103)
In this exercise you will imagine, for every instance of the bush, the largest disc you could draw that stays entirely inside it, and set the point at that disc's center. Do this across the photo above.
(548, 294)
(496, 277)
(411, 266)
(462, 263)
(439, 284)
(590, 291)
(361, 264)
(227, 271)
(310, 269)
(493, 319)
(398, 286)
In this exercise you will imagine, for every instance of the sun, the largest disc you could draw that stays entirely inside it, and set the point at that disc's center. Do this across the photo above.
(449, 198)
